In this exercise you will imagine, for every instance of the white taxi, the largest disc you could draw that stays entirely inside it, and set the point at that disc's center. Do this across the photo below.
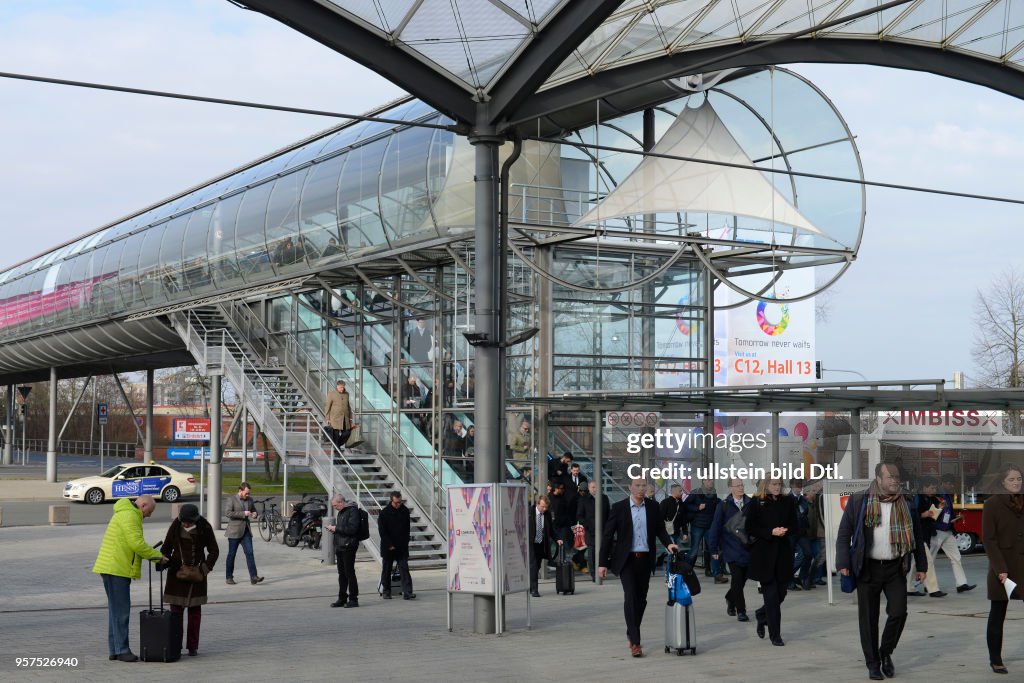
(130, 481)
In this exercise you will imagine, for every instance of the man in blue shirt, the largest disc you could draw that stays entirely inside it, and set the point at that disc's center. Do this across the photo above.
(634, 527)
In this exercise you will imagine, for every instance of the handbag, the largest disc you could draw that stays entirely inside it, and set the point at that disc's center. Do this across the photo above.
(579, 538)
(355, 437)
(848, 584)
(188, 573)
(737, 527)
(677, 564)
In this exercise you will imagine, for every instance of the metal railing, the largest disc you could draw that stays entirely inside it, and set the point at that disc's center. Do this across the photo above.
(111, 449)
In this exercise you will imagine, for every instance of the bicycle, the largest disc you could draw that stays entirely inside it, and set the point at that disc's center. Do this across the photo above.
(270, 522)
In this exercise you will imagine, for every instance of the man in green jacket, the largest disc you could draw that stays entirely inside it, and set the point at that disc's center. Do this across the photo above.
(120, 561)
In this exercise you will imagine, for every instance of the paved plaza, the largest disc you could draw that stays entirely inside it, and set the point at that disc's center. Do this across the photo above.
(51, 605)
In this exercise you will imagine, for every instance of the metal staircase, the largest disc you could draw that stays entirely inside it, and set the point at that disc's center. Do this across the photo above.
(285, 399)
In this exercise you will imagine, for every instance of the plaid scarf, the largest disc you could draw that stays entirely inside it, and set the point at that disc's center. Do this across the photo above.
(901, 525)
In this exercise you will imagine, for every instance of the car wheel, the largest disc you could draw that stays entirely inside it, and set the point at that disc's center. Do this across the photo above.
(171, 494)
(965, 542)
(94, 496)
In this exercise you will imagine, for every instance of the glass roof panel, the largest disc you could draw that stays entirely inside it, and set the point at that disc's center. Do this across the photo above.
(718, 24)
(367, 10)
(933, 22)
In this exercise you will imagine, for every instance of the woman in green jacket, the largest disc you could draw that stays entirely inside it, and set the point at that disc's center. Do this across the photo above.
(119, 561)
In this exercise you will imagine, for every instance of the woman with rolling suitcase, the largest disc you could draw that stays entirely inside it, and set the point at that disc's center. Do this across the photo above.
(192, 548)
(771, 519)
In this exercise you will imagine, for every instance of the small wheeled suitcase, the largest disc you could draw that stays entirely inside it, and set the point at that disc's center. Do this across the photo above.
(565, 574)
(680, 625)
(159, 630)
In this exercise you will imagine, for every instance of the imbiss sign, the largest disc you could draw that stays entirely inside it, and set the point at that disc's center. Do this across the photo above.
(941, 423)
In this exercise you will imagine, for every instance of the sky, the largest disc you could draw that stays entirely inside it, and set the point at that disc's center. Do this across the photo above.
(75, 160)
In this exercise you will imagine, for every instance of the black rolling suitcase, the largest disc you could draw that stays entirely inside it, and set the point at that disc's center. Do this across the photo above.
(565, 574)
(159, 630)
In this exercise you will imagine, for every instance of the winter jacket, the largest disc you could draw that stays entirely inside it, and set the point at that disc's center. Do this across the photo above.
(196, 548)
(701, 519)
(337, 410)
(394, 526)
(123, 547)
(718, 538)
(771, 557)
(1002, 531)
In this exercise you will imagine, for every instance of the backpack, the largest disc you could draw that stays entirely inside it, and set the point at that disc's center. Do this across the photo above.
(364, 525)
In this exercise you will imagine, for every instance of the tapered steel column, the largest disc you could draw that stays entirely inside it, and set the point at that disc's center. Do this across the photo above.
(213, 480)
(148, 443)
(9, 436)
(490, 366)
(51, 446)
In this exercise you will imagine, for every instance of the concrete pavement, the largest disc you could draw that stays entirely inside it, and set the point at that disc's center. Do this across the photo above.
(52, 605)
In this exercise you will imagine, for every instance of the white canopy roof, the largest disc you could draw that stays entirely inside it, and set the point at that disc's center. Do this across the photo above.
(660, 185)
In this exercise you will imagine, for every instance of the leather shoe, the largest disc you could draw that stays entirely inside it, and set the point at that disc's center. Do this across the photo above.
(874, 673)
(127, 656)
(777, 642)
(636, 651)
(193, 653)
(915, 594)
(742, 616)
(937, 594)
(887, 666)
(113, 657)
(256, 579)
(352, 603)
(821, 582)
(410, 596)
(338, 603)
(966, 587)
(230, 582)
(386, 596)
(760, 630)
(730, 610)
(534, 594)
(721, 579)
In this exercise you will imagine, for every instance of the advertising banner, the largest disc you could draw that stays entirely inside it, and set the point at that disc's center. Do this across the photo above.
(837, 494)
(514, 548)
(470, 539)
(191, 429)
(132, 488)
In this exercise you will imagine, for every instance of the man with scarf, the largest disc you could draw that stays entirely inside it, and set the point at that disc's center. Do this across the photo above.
(889, 535)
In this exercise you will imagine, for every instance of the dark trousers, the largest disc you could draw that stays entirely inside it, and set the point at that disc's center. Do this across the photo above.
(770, 613)
(119, 608)
(348, 584)
(591, 564)
(195, 619)
(711, 566)
(636, 579)
(876, 578)
(803, 557)
(994, 633)
(340, 436)
(250, 560)
(537, 553)
(389, 558)
(734, 596)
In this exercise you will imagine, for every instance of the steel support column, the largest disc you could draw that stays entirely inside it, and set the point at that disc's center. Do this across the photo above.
(51, 446)
(598, 495)
(148, 443)
(213, 480)
(490, 357)
(855, 461)
(709, 357)
(775, 439)
(9, 435)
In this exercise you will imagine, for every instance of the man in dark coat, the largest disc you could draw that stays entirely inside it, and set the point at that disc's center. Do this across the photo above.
(190, 541)
(346, 543)
(586, 513)
(700, 510)
(541, 531)
(628, 549)
(887, 535)
(394, 527)
(726, 546)
(563, 514)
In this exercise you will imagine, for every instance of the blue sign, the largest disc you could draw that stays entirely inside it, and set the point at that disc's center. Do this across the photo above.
(101, 413)
(132, 488)
(188, 453)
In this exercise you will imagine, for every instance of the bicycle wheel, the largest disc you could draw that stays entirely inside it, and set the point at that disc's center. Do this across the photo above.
(265, 528)
(276, 524)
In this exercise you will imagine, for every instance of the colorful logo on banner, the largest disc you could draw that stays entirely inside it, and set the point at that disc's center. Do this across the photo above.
(772, 330)
(682, 324)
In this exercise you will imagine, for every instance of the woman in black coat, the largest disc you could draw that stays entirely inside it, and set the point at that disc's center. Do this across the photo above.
(1003, 532)
(190, 541)
(771, 519)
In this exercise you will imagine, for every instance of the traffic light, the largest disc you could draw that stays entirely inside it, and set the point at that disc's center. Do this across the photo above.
(24, 409)
(817, 369)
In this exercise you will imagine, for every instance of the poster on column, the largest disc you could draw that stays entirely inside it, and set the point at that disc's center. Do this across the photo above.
(837, 495)
(470, 539)
(513, 537)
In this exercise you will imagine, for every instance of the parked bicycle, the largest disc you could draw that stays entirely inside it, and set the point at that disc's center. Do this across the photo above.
(269, 521)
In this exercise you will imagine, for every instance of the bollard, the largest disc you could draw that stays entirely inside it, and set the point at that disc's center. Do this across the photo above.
(175, 510)
(60, 515)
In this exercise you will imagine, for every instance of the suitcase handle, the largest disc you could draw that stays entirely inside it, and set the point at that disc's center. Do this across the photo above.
(151, 583)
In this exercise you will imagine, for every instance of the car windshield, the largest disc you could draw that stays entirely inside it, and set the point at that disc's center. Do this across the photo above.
(113, 471)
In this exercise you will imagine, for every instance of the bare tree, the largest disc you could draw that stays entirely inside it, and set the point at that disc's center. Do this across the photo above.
(999, 340)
